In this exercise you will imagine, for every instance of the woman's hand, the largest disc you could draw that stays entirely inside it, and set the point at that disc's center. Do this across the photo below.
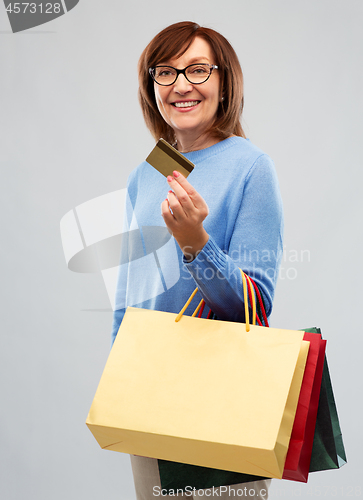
(188, 213)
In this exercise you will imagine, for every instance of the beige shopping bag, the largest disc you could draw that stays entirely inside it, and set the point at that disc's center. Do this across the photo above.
(202, 392)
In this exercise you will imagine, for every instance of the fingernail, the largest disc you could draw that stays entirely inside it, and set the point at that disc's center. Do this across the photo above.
(169, 178)
(176, 173)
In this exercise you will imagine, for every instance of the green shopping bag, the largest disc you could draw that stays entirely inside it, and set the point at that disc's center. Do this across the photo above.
(328, 448)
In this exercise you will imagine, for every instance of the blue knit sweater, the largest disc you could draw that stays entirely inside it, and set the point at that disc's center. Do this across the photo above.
(245, 227)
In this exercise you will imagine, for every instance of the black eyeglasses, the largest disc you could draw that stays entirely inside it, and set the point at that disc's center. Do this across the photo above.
(194, 73)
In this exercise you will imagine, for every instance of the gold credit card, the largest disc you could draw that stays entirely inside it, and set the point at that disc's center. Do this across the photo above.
(165, 159)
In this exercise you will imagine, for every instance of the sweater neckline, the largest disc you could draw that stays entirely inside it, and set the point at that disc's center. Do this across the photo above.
(203, 154)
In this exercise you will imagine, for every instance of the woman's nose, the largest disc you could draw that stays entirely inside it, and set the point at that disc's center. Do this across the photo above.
(182, 85)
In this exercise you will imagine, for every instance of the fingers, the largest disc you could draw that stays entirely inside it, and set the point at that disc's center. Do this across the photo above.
(179, 206)
(184, 211)
(173, 213)
(182, 181)
(166, 214)
(184, 190)
(181, 194)
(184, 207)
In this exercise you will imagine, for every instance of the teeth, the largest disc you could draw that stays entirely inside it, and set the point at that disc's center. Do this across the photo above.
(188, 104)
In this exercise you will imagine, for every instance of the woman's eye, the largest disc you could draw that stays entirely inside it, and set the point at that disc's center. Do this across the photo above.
(199, 70)
(165, 72)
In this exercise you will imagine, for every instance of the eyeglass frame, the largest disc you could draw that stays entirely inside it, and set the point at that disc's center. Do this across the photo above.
(181, 71)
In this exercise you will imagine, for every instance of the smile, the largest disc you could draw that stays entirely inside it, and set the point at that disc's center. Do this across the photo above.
(185, 104)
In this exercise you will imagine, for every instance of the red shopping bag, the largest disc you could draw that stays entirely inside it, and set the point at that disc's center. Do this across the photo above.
(301, 443)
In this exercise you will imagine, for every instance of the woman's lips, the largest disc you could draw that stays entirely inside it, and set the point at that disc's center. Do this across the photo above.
(185, 105)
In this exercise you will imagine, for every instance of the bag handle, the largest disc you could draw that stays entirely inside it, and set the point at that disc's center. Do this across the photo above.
(261, 303)
(250, 295)
(245, 298)
(252, 299)
(245, 279)
(187, 304)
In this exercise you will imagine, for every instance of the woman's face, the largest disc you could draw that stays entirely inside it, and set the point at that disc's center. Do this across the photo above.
(190, 123)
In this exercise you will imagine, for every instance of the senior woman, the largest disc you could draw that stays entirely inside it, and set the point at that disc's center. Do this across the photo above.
(228, 213)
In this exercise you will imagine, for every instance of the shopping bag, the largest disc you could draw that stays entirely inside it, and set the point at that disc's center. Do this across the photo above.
(177, 475)
(301, 442)
(210, 393)
(328, 449)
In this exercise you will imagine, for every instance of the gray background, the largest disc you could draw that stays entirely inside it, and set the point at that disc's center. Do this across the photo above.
(71, 130)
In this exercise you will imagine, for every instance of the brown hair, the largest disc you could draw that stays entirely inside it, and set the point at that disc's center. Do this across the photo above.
(174, 41)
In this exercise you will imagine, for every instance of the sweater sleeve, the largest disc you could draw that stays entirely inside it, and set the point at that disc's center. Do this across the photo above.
(255, 246)
(121, 289)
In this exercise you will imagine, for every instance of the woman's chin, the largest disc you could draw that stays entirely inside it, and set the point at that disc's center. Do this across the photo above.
(188, 125)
